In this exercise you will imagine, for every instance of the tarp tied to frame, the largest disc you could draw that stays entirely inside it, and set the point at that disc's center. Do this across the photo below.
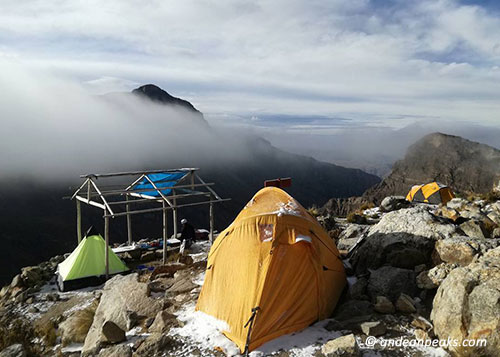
(167, 179)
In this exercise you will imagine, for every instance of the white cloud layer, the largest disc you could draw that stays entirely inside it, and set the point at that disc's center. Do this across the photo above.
(379, 63)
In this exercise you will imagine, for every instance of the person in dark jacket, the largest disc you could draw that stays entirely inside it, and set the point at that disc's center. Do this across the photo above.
(188, 234)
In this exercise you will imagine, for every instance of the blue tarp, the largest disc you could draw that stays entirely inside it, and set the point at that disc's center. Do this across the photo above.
(160, 180)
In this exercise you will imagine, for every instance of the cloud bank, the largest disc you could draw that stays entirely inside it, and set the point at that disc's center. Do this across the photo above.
(378, 63)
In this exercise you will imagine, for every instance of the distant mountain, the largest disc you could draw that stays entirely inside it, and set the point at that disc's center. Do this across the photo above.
(156, 94)
(37, 224)
(464, 165)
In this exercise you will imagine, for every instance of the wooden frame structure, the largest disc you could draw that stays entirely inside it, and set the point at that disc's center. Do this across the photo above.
(116, 201)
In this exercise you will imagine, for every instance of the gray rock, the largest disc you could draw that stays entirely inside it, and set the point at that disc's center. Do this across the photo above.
(31, 275)
(392, 203)
(112, 332)
(357, 290)
(353, 231)
(384, 305)
(456, 203)
(76, 326)
(327, 221)
(403, 238)
(344, 345)
(495, 233)
(432, 278)
(462, 250)
(390, 282)
(5, 291)
(472, 229)
(421, 323)
(467, 304)
(405, 304)
(156, 345)
(494, 216)
(373, 328)
(16, 350)
(346, 243)
(121, 350)
(163, 322)
(353, 308)
(120, 295)
(419, 268)
(17, 282)
(182, 284)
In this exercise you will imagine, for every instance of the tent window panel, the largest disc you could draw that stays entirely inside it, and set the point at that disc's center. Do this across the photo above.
(419, 196)
(435, 198)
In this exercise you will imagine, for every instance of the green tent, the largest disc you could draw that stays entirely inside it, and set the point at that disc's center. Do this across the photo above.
(86, 266)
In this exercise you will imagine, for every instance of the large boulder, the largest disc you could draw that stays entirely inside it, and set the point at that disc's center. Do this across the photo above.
(121, 295)
(403, 238)
(391, 282)
(75, 328)
(467, 305)
(462, 250)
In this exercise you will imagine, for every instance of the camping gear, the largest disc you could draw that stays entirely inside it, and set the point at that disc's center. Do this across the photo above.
(433, 192)
(86, 266)
(273, 271)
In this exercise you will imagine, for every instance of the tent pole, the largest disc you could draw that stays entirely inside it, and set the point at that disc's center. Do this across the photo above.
(78, 221)
(165, 217)
(106, 238)
(211, 234)
(129, 223)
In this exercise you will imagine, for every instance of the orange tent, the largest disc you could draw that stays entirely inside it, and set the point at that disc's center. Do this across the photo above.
(273, 271)
(433, 192)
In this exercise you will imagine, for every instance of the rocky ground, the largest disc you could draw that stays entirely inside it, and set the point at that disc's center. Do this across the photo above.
(415, 272)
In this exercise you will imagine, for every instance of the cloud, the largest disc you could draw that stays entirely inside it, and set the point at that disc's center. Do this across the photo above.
(53, 129)
(379, 63)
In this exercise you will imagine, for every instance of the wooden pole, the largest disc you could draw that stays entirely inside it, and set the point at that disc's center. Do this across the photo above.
(106, 238)
(78, 221)
(129, 223)
(174, 217)
(211, 234)
(165, 217)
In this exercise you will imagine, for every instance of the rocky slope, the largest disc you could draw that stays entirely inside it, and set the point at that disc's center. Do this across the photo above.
(418, 273)
(464, 165)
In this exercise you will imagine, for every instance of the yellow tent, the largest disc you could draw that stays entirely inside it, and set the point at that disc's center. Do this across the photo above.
(273, 271)
(433, 192)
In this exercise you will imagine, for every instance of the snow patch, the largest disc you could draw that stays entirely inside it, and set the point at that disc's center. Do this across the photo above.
(203, 332)
(291, 208)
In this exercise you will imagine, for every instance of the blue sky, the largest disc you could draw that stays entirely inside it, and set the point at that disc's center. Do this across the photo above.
(291, 65)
